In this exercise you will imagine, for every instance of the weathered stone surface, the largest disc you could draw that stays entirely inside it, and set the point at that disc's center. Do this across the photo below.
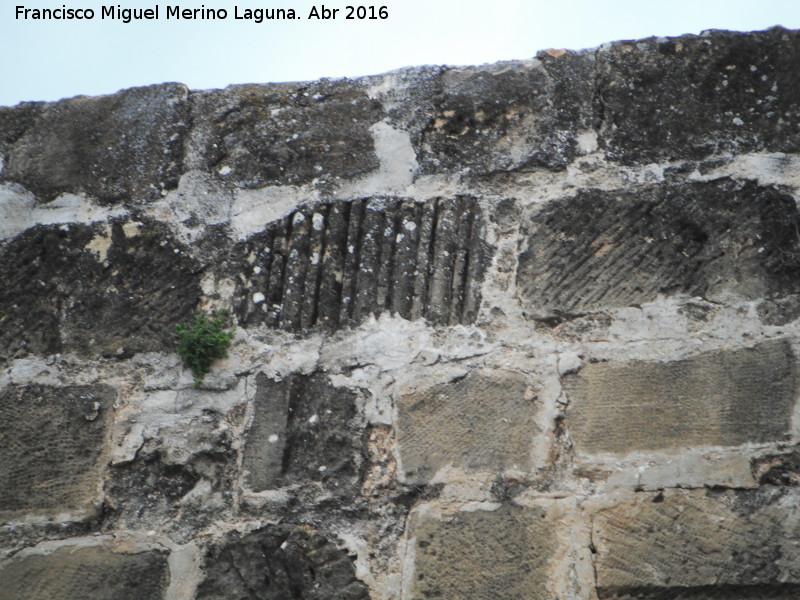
(147, 490)
(606, 249)
(722, 398)
(52, 447)
(693, 96)
(280, 561)
(126, 147)
(694, 544)
(304, 430)
(257, 135)
(778, 469)
(483, 422)
(483, 554)
(331, 265)
(509, 116)
(88, 573)
(105, 289)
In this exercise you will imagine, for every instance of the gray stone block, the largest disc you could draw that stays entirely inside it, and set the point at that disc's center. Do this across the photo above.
(696, 545)
(53, 448)
(483, 422)
(483, 554)
(721, 398)
(279, 134)
(279, 561)
(85, 573)
(602, 249)
(666, 99)
(57, 293)
(125, 147)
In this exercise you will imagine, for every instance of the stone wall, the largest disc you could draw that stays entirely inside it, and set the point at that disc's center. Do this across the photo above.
(525, 330)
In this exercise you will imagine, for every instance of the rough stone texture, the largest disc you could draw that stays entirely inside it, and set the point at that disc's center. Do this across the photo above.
(257, 135)
(602, 249)
(525, 330)
(52, 447)
(112, 289)
(694, 545)
(722, 398)
(89, 573)
(333, 264)
(694, 96)
(126, 147)
(515, 115)
(280, 561)
(483, 554)
(304, 430)
(485, 421)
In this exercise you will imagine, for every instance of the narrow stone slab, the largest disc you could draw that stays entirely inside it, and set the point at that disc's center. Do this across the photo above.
(88, 573)
(483, 554)
(483, 422)
(696, 545)
(721, 398)
(53, 447)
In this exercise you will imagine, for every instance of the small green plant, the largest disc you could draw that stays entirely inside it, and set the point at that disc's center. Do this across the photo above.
(203, 341)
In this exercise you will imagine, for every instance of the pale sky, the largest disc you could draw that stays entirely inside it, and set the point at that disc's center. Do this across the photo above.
(49, 60)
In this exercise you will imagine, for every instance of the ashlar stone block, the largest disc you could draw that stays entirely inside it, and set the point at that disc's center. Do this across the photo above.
(697, 545)
(88, 573)
(483, 422)
(720, 398)
(304, 429)
(52, 447)
(483, 554)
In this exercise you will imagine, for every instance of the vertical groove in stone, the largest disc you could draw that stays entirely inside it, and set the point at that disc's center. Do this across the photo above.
(316, 249)
(369, 259)
(444, 250)
(330, 289)
(475, 263)
(351, 260)
(334, 264)
(419, 301)
(296, 264)
(276, 273)
(383, 300)
(407, 238)
(457, 285)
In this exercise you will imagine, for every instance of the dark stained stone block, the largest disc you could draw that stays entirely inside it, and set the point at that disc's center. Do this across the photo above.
(53, 448)
(331, 265)
(278, 134)
(603, 249)
(95, 289)
(280, 561)
(88, 573)
(503, 117)
(304, 429)
(125, 147)
(663, 99)
(721, 398)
